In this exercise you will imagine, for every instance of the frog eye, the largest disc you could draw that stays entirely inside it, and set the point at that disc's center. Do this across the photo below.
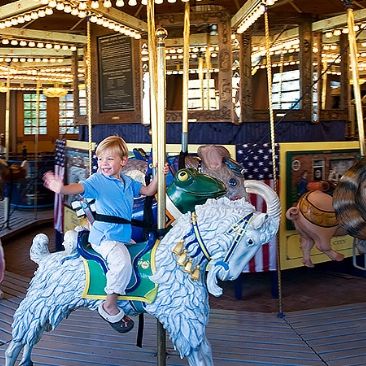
(182, 176)
(233, 182)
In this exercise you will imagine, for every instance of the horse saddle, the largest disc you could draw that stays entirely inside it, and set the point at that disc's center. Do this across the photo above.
(140, 287)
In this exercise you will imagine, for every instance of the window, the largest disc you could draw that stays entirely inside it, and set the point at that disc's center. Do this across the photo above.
(286, 90)
(32, 124)
(202, 95)
(66, 115)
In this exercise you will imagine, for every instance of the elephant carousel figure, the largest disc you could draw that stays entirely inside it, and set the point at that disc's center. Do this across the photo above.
(319, 216)
(315, 220)
(213, 242)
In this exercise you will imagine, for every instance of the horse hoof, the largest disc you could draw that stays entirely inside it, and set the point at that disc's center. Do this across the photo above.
(26, 363)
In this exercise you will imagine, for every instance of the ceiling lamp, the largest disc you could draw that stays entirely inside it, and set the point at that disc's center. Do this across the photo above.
(55, 92)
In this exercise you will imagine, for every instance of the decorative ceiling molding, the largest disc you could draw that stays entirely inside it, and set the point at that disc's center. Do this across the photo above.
(42, 35)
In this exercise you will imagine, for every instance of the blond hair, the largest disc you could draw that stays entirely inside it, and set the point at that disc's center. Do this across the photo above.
(114, 143)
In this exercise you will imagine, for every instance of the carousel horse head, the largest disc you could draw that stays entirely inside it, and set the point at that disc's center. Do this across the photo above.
(220, 237)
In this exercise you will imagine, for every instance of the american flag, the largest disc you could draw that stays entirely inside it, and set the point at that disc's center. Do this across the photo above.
(58, 218)
(256, 160)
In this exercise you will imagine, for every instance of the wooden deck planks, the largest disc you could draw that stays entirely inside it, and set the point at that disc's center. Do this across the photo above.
(325, 337)
(21, 220)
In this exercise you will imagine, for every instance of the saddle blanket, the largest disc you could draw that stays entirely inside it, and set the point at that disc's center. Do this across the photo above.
(140, 288)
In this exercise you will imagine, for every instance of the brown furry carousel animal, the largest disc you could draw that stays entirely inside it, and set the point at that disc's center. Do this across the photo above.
(349, 202)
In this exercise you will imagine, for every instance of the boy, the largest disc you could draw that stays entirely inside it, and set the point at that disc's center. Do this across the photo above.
(113, 193)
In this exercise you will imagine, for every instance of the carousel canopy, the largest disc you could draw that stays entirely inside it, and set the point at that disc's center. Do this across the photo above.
(39, 37)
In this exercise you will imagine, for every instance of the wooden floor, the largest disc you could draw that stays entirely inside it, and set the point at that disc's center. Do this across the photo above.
(17, 221)
(333, 336)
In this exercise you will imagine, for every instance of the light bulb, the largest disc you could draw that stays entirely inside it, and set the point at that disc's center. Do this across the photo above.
(82, 5)
(95, 4)
(120, 3)
(132, 2)
(60, 6)
(107, 3)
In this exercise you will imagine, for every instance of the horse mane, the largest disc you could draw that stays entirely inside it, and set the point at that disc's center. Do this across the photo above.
(214, 218)
(349, 200)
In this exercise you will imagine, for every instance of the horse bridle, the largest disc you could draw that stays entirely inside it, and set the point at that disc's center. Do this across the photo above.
(239, 227)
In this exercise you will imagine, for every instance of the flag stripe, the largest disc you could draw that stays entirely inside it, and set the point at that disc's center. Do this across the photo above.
(257, 162)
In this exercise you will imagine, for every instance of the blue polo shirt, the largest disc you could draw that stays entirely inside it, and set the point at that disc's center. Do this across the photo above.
(113, 197)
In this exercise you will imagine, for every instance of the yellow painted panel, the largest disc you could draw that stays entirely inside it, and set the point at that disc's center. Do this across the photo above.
(290, 251)
(70, 219)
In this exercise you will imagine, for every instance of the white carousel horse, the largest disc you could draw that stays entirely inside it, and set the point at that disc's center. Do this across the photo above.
(220, 237)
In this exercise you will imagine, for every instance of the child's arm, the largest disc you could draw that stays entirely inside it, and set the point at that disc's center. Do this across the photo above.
(152, 188)
(54, 183)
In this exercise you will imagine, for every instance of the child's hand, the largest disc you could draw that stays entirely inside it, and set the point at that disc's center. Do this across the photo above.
(53, 182)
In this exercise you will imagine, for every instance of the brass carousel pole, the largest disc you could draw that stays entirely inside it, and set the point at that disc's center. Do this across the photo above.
(355, 75)
(161, 34)
(157, 111)
(186, 34)
(36, 141)
(153, 78)
(88, 93)
(273, 146)
(7, 143)
(7, 117)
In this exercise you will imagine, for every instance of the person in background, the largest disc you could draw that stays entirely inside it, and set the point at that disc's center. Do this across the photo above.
(114, 193)
(302, 184)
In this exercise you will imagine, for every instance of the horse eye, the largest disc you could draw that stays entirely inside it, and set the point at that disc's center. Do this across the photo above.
(233, 182)
(183, 176)
(250, 242)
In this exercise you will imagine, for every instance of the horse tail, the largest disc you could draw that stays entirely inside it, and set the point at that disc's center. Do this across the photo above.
(349, 200)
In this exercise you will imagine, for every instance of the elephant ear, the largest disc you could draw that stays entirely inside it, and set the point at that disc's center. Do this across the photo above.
(213, 155)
